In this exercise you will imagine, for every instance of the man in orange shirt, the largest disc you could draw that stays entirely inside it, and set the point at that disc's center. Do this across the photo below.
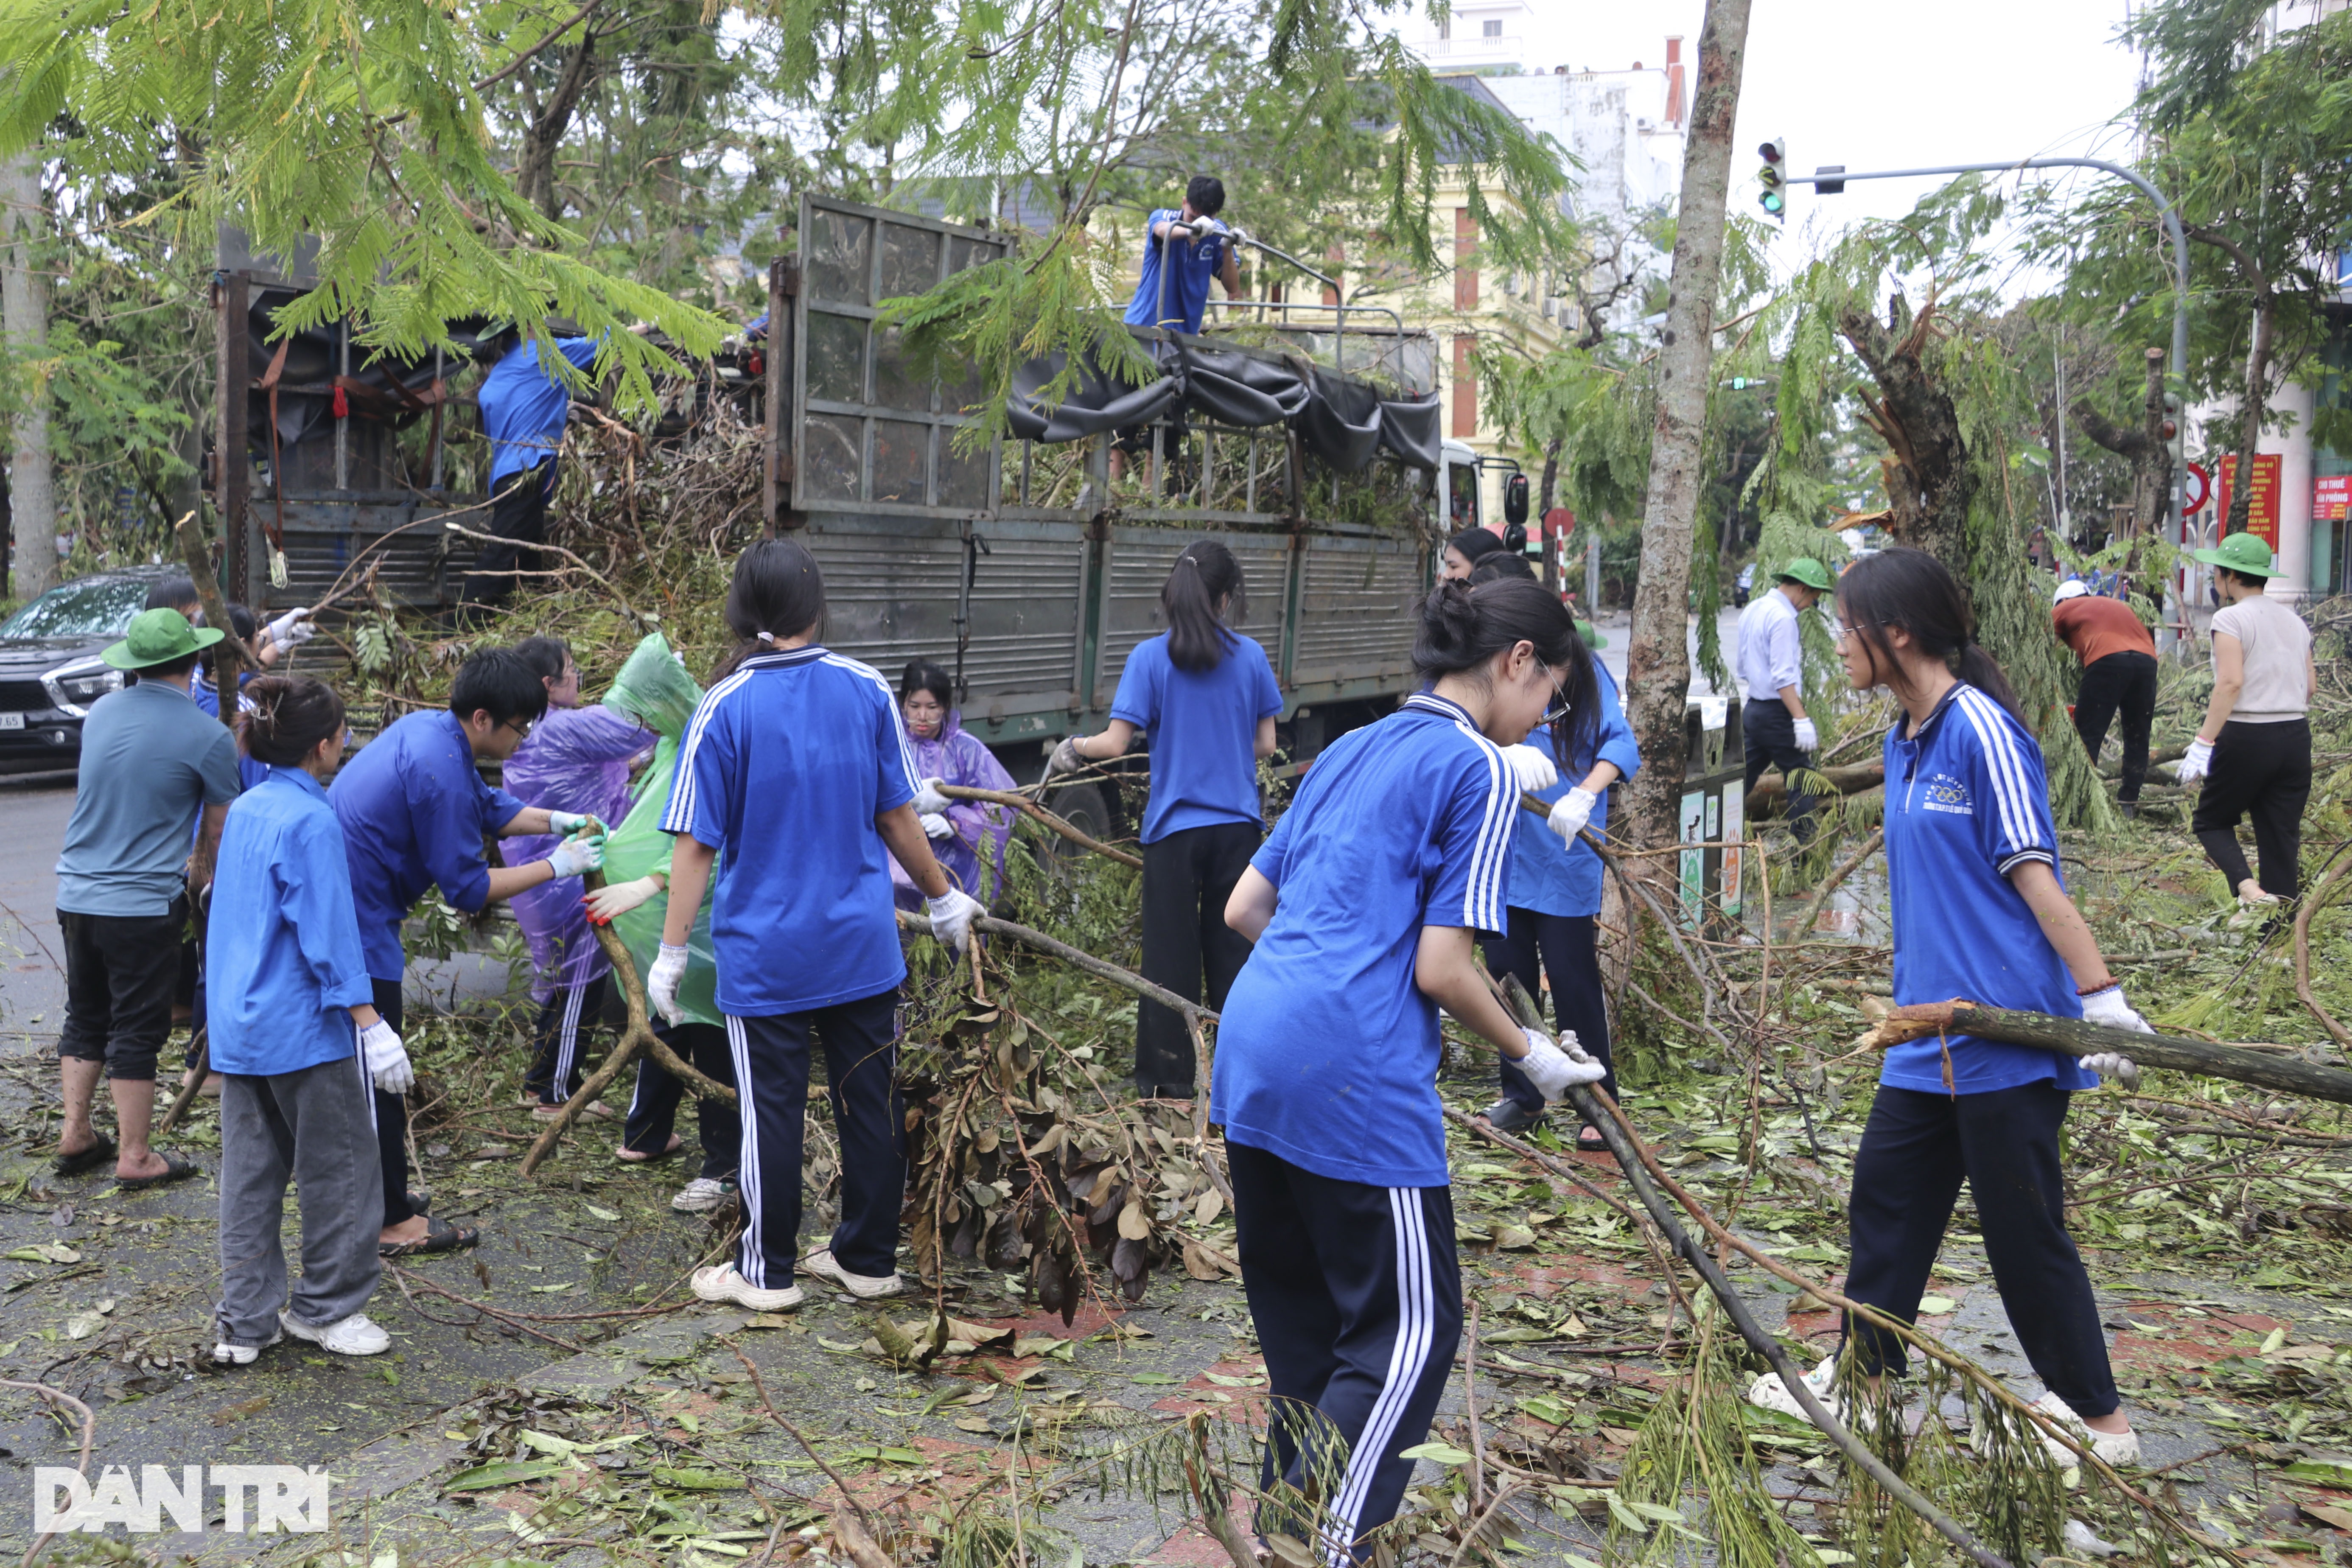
(2118, 657)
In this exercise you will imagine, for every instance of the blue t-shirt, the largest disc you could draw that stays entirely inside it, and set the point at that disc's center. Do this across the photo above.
(151, 760)
(1191, 263)
(250, 772)
(1327, 1055)
(414, 812)
(1553, 877)
(283, 960)
(1202, 727)
(523, 407)
(1966, 805)
(785, 766)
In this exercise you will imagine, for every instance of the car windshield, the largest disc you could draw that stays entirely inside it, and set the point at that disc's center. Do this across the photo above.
(101, 608)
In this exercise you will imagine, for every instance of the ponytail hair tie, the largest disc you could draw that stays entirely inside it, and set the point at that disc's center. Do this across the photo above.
(768, 637)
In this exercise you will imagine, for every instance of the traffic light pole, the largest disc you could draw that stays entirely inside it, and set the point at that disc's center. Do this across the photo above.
(2164, 209)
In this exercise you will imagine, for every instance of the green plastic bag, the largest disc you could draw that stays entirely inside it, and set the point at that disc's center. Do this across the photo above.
(654, 688)
(662, 695)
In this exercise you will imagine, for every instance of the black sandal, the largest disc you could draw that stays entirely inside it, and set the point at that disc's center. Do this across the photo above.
(1508, 1115)
(97, 1154)
(1589, 1141)
(439, 1235)
(176, 1168)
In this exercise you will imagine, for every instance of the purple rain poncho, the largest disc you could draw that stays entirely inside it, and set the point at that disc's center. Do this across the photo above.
(575, 759)
(953, 757)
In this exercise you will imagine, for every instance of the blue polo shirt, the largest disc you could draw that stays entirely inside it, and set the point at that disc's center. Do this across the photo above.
(150, 763)
(523, 407)
(785, 766)
(1202, 727)
(414, 812)
(1553, 877)
(1192, 264)
(1966, 805)
(283, 960)
(1327, 1052)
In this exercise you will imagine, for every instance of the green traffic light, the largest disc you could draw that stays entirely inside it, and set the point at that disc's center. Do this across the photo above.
(1773, 202)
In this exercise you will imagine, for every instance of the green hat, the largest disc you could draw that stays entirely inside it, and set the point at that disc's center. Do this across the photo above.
(159, 636)
(1811, 573)
(2248, 554)
(1591, 635)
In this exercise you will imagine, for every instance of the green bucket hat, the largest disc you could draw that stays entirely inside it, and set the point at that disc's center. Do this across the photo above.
(1811, 573)
(159, 636)
(2248, 554)
(1592, 635)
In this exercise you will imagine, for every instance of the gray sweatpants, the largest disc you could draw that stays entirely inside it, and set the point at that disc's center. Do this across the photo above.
(317, 1125)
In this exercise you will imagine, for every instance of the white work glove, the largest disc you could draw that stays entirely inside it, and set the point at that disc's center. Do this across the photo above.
(564, 823)
(1554, 1069)
(2197, 764)
(1066, 758)
(1571, 811)
(937, 824)
(385, 1058)
(1808, 737)
(2109, 1007)
(577, 856)
(616, 898)
(928, 801)
(661, 982)
(951, 916)
(2114, 1065)
(1532, 766)
(291, 630)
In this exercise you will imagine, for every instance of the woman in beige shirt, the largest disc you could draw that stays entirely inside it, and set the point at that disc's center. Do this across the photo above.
(2253, 751)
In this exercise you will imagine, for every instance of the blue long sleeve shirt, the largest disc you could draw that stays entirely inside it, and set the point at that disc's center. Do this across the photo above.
(283, 965)
(1556, 879)
(524, 407)
(414, 813)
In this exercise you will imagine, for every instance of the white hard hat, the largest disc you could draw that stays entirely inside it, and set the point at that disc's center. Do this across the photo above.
(2071, 588)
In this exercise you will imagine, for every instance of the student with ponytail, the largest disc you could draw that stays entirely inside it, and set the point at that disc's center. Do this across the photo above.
(1979, 912)
(296, 1035)
(1364, 906)
(1205, 699)
(795, 780)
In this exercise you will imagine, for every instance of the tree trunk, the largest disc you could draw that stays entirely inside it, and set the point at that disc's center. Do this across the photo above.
(2256, 396)
(2145, 449)
(24, 308)
(1928, 481)
(1549, 486)
(535, 168)
(1658, 659)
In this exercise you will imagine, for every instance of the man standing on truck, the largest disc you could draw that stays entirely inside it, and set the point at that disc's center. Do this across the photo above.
(524, 407)
(1183, 247)
(1774, 725)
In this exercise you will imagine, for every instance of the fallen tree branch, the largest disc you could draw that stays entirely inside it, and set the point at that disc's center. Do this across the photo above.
(2077, 1037)
(1030, 808)
(2329, 883)
(89, 1437)
(602, 581)
(856, 1532)
(199, 1068)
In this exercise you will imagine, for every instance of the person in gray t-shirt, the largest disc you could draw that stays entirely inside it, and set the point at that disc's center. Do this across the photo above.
(153, 764)
(2254, 750)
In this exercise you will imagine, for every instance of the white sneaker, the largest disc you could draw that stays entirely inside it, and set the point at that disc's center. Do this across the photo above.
(820, 1264)
(2111, 1447)
(1771, 1394)
(355, 1335)
(227, 1354)
(721, 1282)
(704, 1192)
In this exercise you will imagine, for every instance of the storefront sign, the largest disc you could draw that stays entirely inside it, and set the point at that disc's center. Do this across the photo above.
(2331, 498)
(2263, 506)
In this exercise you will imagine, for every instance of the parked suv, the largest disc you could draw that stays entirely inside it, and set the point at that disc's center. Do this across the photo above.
(49, 669)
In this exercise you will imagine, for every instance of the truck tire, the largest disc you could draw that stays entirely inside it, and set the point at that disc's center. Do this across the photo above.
(1084, 808)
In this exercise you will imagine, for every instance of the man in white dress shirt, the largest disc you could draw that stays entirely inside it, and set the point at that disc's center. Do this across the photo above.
(1771, 667)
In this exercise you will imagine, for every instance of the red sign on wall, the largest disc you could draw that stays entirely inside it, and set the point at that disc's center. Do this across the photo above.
(2331, 498)
(2263, 506)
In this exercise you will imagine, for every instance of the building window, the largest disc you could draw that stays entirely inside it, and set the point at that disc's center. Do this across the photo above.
(1490, 29)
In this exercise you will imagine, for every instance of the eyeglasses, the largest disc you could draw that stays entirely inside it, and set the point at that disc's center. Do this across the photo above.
(1561, 711)
(521, 727)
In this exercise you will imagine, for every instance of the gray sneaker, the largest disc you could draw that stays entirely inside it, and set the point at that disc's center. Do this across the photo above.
(820, 1264)
(704, 1192)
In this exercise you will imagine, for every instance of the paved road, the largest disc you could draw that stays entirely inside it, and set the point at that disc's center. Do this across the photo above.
(32, 976)
(1617, 625)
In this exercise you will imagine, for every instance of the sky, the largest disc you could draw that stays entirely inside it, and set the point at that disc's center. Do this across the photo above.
(1883, 84)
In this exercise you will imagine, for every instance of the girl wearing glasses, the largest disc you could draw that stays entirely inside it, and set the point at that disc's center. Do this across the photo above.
(1979, 912)
(1555, 875)
(1205, 699)
(1363, 905)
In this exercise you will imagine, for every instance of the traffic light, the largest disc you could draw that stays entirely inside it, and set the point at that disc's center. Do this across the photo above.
(1773, 177)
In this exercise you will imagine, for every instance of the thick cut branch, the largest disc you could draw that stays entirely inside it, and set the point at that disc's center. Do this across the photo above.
(1929, 480)
(1022, 803)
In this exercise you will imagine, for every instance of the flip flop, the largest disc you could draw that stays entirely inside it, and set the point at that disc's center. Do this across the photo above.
(439, 1235)
(1508, 1115)
(176, 1168)
(1590, 1142)
(97, 1154)
(628, 1156)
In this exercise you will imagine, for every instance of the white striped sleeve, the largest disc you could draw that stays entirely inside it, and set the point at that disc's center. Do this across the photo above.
(2011, 790)
(1474, 842)
(892, 743)
(678, 815)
